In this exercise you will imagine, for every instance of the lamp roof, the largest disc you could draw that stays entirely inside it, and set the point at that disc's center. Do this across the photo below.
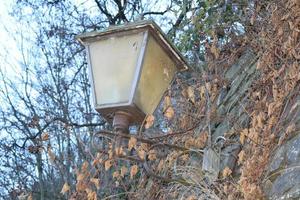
(149, 25)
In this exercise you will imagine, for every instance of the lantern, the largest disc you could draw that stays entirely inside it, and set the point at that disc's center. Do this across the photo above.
(130, 68)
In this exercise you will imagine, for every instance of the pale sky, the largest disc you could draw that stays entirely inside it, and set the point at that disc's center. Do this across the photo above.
(8, 47)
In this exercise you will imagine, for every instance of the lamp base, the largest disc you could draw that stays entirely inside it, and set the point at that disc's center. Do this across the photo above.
(121, 121)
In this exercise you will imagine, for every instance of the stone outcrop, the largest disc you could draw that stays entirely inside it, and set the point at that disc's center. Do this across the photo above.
(283, 174)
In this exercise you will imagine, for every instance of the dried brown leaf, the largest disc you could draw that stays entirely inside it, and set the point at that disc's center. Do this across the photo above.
(52, 156)
(141, 153)
(202, 92)
(30, 197)
(80, 177)
(45, 136)
(124, 170)
(291, 128)
(241, 157)
(110, 154)
(96, 182)
(191, 197)
(253, 135)
(133, 171)
(160, 165)
(189, 142)
(226, 172)
(215, 51)
(152, 155)
(191, 94)
(200, 142)
(119, 151)
(149, 121)
(167, 102)
(107, 164)
(169, 113)
(144, 146)
(65, 188)
(243, 135)
(91, 195)
(132, 143)
(84, 166)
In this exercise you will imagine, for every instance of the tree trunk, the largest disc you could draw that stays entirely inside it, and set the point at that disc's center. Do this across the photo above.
(40, 175)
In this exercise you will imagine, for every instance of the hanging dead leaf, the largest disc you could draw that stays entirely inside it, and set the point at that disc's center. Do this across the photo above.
(80, 177)
(107, 164)
(184, 157)
(191, 197)
(132, 143)
(110, 154)
(243, 135)
(167, 102)
(241, 157)
(160, 165)
(200, 142)
(45, 136)
(91, 195)
(124, 170)
(184, 122)
(30, 197)
(97, 161)
(84, 166)
(149, 121)
(253, 135)
(226, 172)
(291, 128)
(133, 171)
(202, 92)
(191, 94)
(119, 151)
(152, 155)
(260, 120)
(144, 146)
(52, 156)
(169, 113)
(215, 51)
(141, 153)
(229, 133)
(184, 93)
(65, 188)
(96, 182)
(81, 186)
(271, 108)
(189, 142)
(259, 64)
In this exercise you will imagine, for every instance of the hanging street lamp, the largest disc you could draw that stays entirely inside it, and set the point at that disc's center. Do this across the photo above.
(130, 68)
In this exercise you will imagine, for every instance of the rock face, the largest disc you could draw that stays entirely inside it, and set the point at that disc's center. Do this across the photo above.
(283, 174)
(284, 171)
(231, 105)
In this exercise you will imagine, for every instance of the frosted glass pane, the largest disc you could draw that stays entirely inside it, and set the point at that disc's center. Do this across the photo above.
(157, 73)
(113, 63)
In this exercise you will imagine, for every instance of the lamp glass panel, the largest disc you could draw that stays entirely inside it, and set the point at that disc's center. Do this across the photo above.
(113, 61)
(157, 73)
